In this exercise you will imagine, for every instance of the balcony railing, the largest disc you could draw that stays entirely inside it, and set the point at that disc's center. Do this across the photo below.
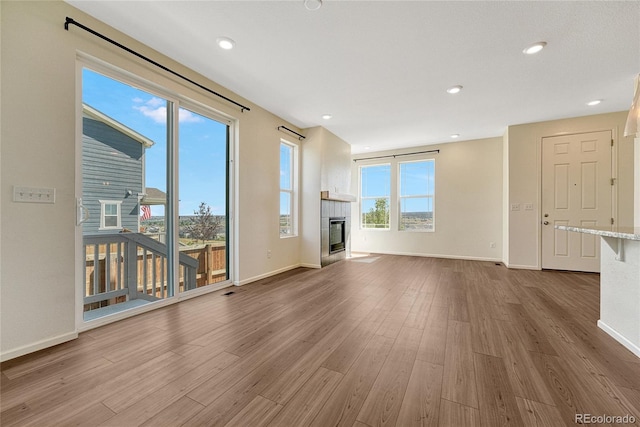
(130, 266)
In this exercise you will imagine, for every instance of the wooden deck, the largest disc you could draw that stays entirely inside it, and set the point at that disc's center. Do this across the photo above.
(377, 341)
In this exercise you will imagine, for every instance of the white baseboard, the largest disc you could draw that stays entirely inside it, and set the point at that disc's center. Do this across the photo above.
(40, 345)
(470, 258)
(633, 348)
(306, 265)
(269, 274)
(522, 267)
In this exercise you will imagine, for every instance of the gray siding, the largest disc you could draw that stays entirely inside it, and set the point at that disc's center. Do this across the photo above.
(111, 165)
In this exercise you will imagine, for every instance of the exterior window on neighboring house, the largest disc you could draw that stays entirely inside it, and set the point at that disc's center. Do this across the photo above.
(415, 199)
(375, 194)
(110, 217)
(288, 186)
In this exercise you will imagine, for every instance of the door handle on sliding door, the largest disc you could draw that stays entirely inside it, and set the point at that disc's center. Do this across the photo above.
(82, 213)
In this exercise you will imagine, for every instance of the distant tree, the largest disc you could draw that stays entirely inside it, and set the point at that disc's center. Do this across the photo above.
(204, 225)
(378, 216)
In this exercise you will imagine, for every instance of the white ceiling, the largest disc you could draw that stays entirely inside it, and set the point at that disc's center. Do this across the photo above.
(381, 68)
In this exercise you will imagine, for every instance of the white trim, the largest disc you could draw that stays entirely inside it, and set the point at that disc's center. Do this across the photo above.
(118, 204)
(40, 345)
(460, 257)
(621, 339)
(265, 275)
(179, 100)
(308, 265)
(361, 198)
(431, 196)
(79, 263)
(523, 267)
(293, 191)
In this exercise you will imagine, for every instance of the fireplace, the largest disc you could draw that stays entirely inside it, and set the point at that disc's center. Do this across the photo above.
(335, 223)
(337, 241)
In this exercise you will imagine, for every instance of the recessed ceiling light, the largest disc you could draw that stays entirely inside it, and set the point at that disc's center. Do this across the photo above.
(594, 102)
(225, 43)
(313, 4)
(455, 135)
(367, 148)
(534, 48)
(326, 116)
(454, 89)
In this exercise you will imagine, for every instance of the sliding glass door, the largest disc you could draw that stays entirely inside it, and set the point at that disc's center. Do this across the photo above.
(203, 205)
(155, 190)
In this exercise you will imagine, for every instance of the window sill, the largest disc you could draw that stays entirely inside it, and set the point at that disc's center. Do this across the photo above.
(289, 236)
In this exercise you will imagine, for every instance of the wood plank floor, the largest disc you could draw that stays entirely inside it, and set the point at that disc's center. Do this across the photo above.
(372, 341)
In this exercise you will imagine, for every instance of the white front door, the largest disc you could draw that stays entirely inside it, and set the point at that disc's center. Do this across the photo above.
(576, 191)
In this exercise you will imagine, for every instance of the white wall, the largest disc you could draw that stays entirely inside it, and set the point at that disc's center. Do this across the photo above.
(524, 178)
(505, 198)
(636, 179)
(38, 133)
(336, 164)
(468, 204)
(310, 195)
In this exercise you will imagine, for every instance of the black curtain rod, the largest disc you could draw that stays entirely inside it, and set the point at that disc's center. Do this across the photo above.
(300, 137)
(151, 61)
(398, 155)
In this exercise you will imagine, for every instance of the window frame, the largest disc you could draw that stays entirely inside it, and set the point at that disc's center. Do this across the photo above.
(103, 214)
(400, 197)
(292, 191)
(363, 198)
(176, 98)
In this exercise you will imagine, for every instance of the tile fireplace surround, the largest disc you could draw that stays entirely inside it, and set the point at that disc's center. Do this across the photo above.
(332, 208)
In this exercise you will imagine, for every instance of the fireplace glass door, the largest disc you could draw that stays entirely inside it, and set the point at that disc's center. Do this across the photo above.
(336, 235)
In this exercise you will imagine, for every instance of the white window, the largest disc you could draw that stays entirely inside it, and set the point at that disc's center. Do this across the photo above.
(415, 198)
(375, 194)
(288, 187)
(110, 216)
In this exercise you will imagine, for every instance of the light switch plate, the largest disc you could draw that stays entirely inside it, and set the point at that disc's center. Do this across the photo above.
(528, 206)
(34, 194)
(515, 206)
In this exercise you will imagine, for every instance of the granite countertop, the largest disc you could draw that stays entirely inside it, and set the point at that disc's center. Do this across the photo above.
(629, 233)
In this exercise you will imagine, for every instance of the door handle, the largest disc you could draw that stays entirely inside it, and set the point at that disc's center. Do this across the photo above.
(546, 223)
(82, 213)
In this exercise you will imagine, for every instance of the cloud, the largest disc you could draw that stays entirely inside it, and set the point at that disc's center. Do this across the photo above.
(156, 109)
(156, 102)
(187, 116)
(158, 115)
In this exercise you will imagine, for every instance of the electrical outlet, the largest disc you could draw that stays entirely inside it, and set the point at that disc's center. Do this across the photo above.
(34, 195)
(268, 253)
(492, 244)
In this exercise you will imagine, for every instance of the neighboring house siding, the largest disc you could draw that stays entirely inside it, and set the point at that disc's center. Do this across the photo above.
(111, 165)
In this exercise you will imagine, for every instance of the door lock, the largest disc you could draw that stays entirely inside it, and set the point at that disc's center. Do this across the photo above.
(546, 223)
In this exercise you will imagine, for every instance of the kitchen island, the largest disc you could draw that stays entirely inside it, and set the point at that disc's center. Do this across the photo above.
(619, 283)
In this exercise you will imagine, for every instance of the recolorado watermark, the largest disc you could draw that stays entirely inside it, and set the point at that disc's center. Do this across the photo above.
(604, 419)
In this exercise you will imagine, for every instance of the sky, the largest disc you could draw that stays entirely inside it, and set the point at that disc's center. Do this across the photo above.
(202, 142)
(416, 178)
